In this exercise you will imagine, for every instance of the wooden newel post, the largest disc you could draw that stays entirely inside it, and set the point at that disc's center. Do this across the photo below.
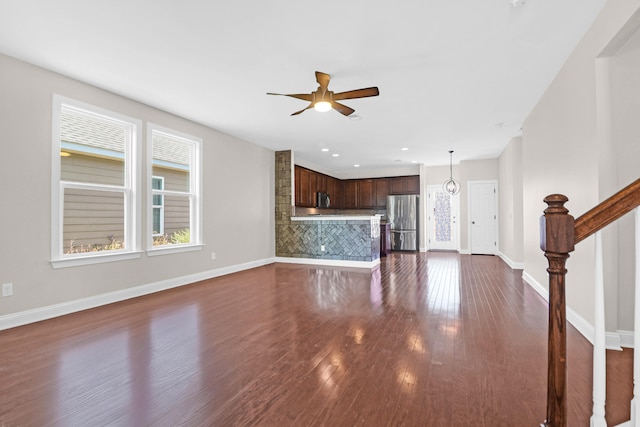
(557, 231)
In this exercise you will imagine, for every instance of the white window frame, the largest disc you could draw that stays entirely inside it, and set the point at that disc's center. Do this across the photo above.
(160, 206)
(194, 194)
(132, 202)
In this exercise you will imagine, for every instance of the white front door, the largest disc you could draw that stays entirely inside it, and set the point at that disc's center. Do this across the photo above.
(483, 217)
(442, 213)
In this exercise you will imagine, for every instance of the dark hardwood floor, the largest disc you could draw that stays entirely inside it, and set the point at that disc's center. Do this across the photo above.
(435, 339)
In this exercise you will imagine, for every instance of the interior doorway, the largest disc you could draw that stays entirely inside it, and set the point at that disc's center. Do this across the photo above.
(442, 215)
(483, 217)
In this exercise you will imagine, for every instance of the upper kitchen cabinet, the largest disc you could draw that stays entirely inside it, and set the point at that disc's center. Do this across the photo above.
(335, 192)
(405, 184)
(350, 194)
(365, 193)
(306, 187)
(302, 186)
(308, 183)
(413, 184)
(381, 191)
(321, 182)
(368, 193)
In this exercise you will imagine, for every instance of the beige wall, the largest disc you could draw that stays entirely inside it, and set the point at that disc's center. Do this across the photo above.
(238, 196)
(510, 201)
(625, 108)
(563, 152)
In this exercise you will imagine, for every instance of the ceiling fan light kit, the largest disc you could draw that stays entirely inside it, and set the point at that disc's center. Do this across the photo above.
(322, 106)
(451, 186)
(324, 100)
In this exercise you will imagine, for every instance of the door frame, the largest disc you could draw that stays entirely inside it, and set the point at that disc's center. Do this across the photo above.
(456, 213)
(496, 206)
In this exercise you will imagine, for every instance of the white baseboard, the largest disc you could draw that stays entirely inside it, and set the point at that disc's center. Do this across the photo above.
(512, 264)
(541, 290)
(626, 339)
(465, 251)
(43, 313)
(613, 340)
(329, 262)
(578, 322)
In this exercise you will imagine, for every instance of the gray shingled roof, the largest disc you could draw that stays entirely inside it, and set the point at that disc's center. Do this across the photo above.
(86, 130)
(92, 131)
(170, 149)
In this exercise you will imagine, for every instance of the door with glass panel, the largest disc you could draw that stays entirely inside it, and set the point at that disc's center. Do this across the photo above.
(442, 214)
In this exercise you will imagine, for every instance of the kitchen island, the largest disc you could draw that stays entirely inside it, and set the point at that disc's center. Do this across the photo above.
(350, 240)
(339, 240)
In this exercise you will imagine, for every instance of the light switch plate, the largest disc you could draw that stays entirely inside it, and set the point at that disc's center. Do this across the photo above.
(7, 289)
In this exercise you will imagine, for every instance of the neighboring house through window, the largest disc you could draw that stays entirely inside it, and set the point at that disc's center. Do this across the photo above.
(157, 183)
(174, 174)
(94, 179)
(96, 199)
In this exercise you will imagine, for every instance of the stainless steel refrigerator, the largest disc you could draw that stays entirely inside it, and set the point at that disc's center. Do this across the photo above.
(402, 214)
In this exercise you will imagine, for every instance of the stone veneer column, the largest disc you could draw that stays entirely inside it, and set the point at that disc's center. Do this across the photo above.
(284, 196)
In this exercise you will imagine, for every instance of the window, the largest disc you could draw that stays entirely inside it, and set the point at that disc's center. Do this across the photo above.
(174, 177)
(94, 179)
(157, 204)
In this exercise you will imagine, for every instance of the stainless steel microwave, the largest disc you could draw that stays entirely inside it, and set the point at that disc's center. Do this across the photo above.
(322, 200)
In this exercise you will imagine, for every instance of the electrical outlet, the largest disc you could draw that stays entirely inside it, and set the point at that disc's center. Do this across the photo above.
(213, 256)
(322, 248)
(7, 289)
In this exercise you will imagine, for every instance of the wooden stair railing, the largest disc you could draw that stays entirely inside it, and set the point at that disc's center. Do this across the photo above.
(559, 233)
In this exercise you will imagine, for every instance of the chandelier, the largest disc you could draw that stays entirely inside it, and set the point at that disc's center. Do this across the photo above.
(451, 186)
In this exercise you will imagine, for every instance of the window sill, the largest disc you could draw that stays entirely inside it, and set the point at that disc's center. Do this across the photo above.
(173, 249)
(94, 259)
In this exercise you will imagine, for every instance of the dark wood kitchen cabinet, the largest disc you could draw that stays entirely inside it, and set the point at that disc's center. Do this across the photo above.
(365, 193)
(321, 183)
(334, 190)
(385, 239)
(405, 184)
(412, 184)
(313, 188)
(302, 177)
(381, 191)
(350, 194)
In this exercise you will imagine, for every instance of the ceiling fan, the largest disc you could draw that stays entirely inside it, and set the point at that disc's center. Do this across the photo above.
(322, 99)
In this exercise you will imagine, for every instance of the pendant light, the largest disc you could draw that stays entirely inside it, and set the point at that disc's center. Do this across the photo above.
(451, 186)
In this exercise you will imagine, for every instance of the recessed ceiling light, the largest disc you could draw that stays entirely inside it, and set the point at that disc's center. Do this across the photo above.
(325, 149)
(404, 149)
(414, 161)
(356, 166)
(335, 155)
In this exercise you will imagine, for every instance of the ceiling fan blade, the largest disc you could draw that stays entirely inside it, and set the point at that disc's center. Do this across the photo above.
(304, 109)
(342, 109)
(303, 96)
(323, 79)
(358, 93)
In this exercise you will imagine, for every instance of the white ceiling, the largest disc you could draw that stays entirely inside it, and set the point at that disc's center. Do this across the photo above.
(459, 75)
